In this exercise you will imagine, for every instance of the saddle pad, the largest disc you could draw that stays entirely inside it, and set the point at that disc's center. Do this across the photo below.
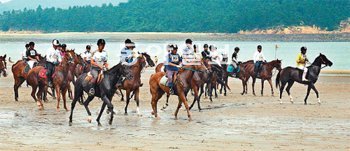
(163, 80)
(230, 68)
(42, 73)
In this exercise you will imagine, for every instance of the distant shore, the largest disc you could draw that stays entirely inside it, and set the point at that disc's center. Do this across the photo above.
(332, 37)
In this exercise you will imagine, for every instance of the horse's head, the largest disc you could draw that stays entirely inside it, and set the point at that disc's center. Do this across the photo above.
(324, 60)
(277, 64)
(149, 61)
(3, 65)
(71, 57)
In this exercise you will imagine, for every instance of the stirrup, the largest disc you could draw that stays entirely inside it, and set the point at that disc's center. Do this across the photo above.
(91, 92)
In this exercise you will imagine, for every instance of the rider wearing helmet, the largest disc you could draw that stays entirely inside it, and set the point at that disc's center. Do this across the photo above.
(206, 52)
(98, 63)
(127, 52)
(301, 62)
(234, 60)
(259, 58)
(53, 59)
(24, 53)
(87, 54)
(174, 60)
(32, 55)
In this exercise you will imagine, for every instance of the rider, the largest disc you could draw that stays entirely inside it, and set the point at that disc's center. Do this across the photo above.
(87, 54)
(53, 59)
(301, 62)
(197, 54)
(206, 52)
(24, 53)
(98, 63)
(174, 61)
(215, 56)
(63, 50)
(235, 61)
(32, 55)
(127, 52)
(258, 60)
(188, 53)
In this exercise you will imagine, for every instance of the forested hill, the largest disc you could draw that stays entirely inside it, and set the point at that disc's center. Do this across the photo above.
(181, 16)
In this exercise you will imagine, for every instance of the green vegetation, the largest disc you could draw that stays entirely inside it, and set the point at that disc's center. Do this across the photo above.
(181, 16)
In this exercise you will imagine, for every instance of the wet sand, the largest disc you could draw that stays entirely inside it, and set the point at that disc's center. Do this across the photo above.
(234, 122)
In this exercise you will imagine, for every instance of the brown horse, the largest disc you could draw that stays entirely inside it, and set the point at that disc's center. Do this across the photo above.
(265, 73)
(132, 84)
(20, 75)
(37, 78)
(62, 79)
(182, 86)
(3, 66)
(240, 75)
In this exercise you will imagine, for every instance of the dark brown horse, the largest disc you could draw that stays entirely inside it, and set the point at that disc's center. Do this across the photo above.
(3, 65)
(62, 79)
(264, 74)
(132, 84)
(182, 86)
(20, 75)
(36, 78)
(290, 75)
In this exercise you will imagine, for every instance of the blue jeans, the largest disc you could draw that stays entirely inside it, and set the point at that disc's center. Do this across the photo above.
(257, 66)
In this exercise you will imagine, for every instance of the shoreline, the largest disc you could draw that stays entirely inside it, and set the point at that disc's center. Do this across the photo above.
(332, 37)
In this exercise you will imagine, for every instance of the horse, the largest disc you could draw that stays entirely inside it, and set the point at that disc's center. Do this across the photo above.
(264, 74)
(81, 67)
(216, 78)
(132, 84)
(20, 75)
(3, 66)
(37, 78)
(104, 90)
(62, 78)
(182, 85)
(290, 75)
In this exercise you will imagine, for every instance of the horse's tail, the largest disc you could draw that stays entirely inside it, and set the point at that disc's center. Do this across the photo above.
(278, 79)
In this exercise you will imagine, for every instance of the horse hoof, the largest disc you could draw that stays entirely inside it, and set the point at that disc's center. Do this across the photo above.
(125, 113)
(99, 124)
(70, 123)
(89, 119)
(110, 122)
(176, 118)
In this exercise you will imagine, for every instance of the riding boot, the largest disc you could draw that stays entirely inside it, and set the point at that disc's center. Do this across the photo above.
(92, 91)
(304, 75)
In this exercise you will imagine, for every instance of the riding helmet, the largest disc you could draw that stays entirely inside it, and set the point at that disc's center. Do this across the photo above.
(236, 49)
(101, 41)
(188, 41)
(303, 48)
(31, 43)
(259, 47)
(205, 46)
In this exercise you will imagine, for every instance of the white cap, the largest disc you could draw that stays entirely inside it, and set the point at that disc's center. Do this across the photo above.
(55, 42)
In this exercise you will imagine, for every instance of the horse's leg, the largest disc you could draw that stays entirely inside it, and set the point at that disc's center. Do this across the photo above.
(127, 95)
(39, 96)
(270, 82)
(53, 93)
(199, 99)
(137, 99)
(58, 90)
(195, 98)
(316, 91)
(100, 114)
(216, 93)
(262, 87)
(77, 95)
(243, 86)
(121, 93)
(177, 108)
(307, 93)
(253, 83)
(64, 92)
(86, 105)
(281, 90)
(110, 107)
(34, 88)
(184, 101)
(167, 102)
(70, 93)
(290, 84)
(18, 83)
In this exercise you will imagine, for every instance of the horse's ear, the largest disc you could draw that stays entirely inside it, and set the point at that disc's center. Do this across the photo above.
(4, 56)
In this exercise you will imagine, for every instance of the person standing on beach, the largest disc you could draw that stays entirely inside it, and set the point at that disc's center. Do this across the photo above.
(301, 62)
(258, 58)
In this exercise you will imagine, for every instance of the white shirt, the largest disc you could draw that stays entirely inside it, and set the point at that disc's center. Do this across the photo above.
(188, 57)
(258, 56)
(100, 57)
(216, 57)
(125, 53)
(53, 55)
(87, 55)
(24, 54)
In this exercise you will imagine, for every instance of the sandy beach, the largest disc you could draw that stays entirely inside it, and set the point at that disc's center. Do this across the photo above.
(234, 122)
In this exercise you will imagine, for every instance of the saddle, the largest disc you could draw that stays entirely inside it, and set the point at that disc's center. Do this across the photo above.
(90, 78)
(42, 73)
